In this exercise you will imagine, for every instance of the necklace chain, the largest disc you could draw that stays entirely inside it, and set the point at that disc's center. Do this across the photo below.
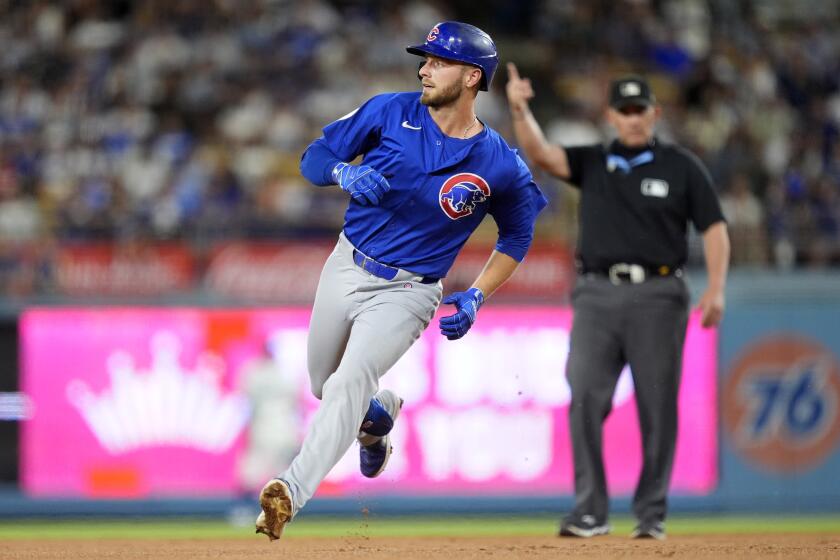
(472, 124)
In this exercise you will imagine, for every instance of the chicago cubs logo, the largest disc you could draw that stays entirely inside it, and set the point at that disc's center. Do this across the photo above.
(433, 34)
(461, 193)
(780, 404)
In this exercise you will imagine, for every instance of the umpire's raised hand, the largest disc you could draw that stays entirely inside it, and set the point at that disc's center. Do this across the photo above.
(519, 90)
(365, 184)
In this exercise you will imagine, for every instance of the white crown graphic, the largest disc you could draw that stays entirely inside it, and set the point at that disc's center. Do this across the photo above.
(165, 405)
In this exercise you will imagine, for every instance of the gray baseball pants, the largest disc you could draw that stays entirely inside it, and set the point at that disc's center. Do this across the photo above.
(642, 325)
(360, 326)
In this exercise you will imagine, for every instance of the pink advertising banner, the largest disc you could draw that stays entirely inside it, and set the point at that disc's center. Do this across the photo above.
(187, 402)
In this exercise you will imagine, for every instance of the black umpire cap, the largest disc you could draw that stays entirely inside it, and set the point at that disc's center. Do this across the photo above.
(631, 90)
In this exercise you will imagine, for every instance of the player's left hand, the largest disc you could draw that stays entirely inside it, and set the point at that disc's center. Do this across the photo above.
(711, 306)
(467, 303)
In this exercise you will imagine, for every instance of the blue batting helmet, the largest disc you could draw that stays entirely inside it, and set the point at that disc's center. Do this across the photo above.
(461, 42)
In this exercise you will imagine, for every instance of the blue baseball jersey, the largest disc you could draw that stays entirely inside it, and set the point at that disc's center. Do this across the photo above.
(441, 187)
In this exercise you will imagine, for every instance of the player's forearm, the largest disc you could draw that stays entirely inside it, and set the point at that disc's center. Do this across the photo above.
(716, 253)
(317, 163)
(498, 269)
(531, 139)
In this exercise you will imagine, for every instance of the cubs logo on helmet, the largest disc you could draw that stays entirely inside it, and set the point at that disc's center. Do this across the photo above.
(461, 193)
(433, 34)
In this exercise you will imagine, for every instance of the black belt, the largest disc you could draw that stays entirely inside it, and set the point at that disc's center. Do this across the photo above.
(620, 273)
(383, 270)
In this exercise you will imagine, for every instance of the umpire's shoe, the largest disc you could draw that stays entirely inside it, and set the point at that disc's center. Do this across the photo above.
(277, 508)
(655, 530)
(375, 444)
(584, 526)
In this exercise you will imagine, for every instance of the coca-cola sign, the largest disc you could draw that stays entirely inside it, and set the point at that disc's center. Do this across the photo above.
(267, 271)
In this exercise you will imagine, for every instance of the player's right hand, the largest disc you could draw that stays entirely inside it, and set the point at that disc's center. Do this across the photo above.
(365, 185)
(519, 90)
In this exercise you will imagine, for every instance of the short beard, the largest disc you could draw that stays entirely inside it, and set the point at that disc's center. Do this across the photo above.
(443, 97)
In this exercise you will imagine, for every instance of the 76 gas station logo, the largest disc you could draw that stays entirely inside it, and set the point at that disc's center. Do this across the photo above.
(780, 403)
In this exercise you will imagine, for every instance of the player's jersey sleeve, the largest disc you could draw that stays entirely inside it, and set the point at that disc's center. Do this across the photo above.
(704, 205)
(358, 131)
(577, 158)
(515, 212)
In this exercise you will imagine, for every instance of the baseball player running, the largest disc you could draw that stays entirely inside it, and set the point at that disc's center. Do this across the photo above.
(429, 173)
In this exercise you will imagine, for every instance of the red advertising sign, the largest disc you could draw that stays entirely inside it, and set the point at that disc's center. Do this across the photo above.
(289, 272)
(135, 269)
(267, 271)
(546, 272)
(286, 272)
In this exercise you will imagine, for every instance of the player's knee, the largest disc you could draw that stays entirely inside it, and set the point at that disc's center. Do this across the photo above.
(343, 384)
(317, 389)
(316, 382)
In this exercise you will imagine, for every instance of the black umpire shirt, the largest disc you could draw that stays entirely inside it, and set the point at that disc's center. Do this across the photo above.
(641, 215)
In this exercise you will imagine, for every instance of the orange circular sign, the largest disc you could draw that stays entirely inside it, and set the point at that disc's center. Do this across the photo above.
(780, 403)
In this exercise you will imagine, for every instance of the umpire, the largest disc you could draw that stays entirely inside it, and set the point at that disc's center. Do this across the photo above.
(630, 301)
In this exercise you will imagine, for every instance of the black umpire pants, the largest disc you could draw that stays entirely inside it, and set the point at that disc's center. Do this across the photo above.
(642, 325)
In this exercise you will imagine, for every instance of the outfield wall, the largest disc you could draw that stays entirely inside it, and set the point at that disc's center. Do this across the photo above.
(759, 412)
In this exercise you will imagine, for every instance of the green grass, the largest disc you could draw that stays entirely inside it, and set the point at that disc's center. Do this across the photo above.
(399, 526)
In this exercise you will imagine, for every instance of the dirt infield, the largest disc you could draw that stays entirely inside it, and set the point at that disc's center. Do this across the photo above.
(811, 547)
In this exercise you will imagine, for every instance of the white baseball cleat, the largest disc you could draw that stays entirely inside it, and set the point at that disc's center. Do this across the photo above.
(277, 508)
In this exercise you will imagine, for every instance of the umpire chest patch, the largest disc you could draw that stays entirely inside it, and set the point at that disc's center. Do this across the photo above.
(655, 187)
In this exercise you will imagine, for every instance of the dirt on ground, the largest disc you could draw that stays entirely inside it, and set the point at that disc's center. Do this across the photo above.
(810, 547)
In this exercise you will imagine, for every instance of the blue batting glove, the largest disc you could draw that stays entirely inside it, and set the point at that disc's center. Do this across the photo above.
(365, 185)
(467, 303)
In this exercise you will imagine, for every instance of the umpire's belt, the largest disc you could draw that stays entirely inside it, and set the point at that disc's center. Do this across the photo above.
(382, 270)
(628, 273)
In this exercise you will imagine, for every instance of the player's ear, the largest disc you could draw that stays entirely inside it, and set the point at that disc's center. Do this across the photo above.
(473, 77)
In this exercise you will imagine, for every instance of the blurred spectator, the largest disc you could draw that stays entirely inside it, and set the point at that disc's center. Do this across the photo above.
(824, 205)
(745, 220)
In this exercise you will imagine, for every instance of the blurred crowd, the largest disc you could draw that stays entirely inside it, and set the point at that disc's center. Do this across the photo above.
(160, 120)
